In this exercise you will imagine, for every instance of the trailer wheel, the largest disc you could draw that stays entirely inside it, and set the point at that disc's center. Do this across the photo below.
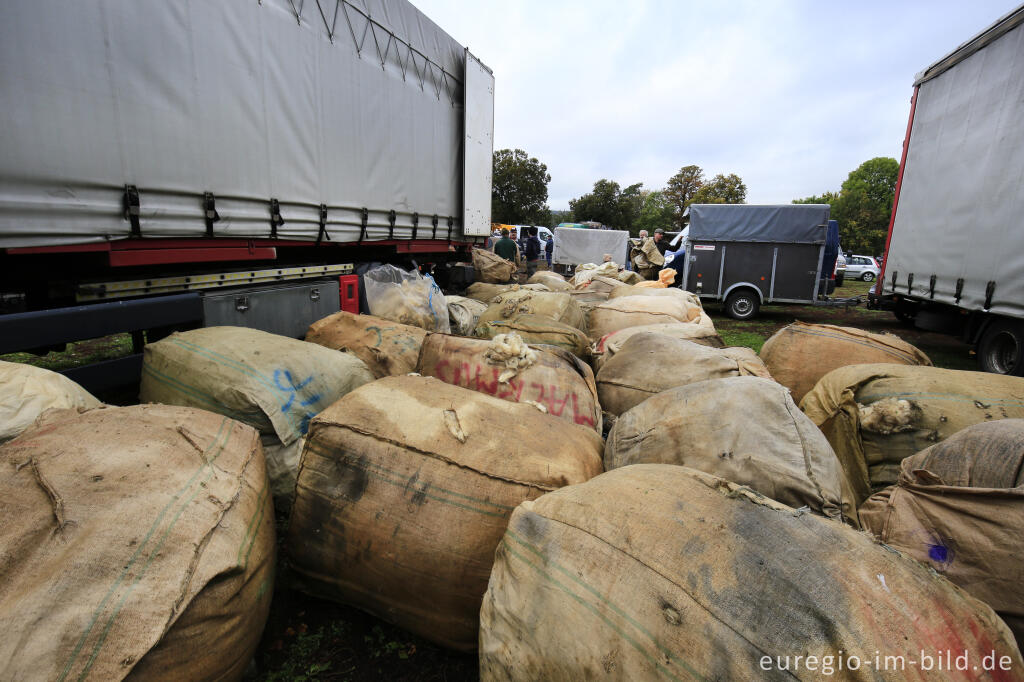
(868, 276)
(742, 304)
(1001, 348)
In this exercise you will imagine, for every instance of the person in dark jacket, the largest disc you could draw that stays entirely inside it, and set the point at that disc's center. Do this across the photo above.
(506, 248)
(532, 252)
(549, 249)
(660, 241)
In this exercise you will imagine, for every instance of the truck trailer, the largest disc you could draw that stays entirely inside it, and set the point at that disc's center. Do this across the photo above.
(173, 165)
(954, 259)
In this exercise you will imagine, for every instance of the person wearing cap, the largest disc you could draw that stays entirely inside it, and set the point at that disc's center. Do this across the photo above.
(660, 241)
(506, 248)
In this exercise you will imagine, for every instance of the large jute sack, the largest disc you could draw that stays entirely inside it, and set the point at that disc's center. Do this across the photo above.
(536, 330)
(136, 542)
(405, 489)
(386, 347)
(662, 572)
(464, 314)
(485, 292)
(552, 280)
(609, 344)
(800, 354)
(959, 507)
(649, 363)
(555, 305)
(875, 416)
(631, 311)
(507, 368)
(669, 292)
(710, 426)
(26, 392)
(586, 272)
(273, 383)
(490, 267)
(602, 284)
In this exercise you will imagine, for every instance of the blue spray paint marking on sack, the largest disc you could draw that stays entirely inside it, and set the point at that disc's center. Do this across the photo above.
(293, 389)
(430, 301)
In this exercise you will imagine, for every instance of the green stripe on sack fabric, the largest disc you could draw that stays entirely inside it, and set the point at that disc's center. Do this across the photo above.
(593, 609)
(207, 462)
(257, 518)
(382, 473)
(200, 396)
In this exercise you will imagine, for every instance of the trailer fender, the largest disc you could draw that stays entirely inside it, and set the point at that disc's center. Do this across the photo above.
(740, 285)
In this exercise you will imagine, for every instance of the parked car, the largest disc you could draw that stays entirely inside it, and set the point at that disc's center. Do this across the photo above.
(865, 268)
(840, 269)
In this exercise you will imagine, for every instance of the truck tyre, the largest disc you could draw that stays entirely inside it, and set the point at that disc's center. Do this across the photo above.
(742, 304)
(1001, 348)
(868, 276)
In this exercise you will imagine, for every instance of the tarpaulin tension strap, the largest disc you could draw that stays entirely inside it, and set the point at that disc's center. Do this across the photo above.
(275, 217)
(415, 224)
(391, 224)
(323, 225)
(362, 224)
(451, 222)
(210, 212)
(434, 222)
(131, 209)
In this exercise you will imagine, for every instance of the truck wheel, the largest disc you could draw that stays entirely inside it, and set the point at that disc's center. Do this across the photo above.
(1001, 348)
(868, 276)
(742, 304)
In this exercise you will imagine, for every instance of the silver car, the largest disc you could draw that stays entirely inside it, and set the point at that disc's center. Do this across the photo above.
(862, 267)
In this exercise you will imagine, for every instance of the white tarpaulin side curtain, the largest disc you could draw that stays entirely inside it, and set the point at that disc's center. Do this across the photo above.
(345, 103)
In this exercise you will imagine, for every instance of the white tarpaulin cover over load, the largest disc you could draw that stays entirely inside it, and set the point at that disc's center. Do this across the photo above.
(574, 245)
(349, 104)
(962, 192)
(789, 223)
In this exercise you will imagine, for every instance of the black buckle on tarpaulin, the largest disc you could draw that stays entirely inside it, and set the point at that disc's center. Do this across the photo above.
(959, 290)
(210, 212)
(433, 235)
(275, 217)
(451, 223)
(415, 224)
(392, 216)
(990, 291)
(132, 209)
(365, 216)
(323, 226)
(931, 287)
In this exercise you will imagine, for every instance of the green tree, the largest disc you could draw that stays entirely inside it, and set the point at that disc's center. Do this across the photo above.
(680, 191)
(829, 198)
(656, 211)
(519, 192)
(609, 204)
(558, 217)
(864, 205)
(722, 189)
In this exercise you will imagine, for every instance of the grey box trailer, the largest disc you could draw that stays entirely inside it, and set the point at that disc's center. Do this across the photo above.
(157, 152)
(748, 255)
(954, 258)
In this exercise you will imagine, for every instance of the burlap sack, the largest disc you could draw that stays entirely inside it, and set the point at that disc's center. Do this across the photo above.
(662, 572)
(710, 425)
(273, 383)
(548, 376)
(629, 277)
(386, 347)
(632, 311)
(586, 272)
(555, 305)
(800, 354)
(649, 363)
(537, 330)
(464, 314)
(552, 280)
(959, 508)
(405, 490)
(609, 344)
(905, 409)
(26, 392)
(136, 541)
(669, 292)
(485, 293)
(490, 267)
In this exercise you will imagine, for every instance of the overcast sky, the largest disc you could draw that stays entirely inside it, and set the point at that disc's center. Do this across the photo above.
(790, 96)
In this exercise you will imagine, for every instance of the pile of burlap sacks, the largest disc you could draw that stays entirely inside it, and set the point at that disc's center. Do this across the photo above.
(580, 481)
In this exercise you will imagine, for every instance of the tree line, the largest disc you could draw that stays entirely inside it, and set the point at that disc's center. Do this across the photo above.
(520, 194)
